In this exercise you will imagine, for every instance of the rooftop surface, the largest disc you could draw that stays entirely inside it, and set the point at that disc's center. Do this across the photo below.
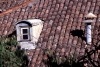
(63, 30)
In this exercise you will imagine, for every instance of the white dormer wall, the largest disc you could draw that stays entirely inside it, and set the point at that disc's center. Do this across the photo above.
(34, 33)
(36, 30)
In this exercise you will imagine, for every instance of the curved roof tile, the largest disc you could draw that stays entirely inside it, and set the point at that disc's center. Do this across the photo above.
(63, 31)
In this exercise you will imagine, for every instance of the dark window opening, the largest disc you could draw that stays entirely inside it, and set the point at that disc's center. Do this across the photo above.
(25, 36)
(25, 31)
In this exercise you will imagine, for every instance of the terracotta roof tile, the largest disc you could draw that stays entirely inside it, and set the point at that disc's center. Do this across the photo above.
(60, 18)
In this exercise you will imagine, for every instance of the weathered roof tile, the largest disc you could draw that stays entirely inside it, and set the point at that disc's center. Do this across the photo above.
(60, 18)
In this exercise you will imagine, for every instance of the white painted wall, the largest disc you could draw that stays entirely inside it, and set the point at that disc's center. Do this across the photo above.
(27, 45)
(36, 31)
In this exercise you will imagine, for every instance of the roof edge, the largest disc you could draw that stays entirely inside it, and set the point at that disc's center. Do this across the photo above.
(15, 8)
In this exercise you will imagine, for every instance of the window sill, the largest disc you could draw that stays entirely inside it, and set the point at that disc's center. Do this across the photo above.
(24, 40)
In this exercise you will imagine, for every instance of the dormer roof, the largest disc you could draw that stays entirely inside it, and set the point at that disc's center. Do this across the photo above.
(31, 22)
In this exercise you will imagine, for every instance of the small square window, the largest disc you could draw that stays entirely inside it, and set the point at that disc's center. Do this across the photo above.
(25, 36)
(25, 33)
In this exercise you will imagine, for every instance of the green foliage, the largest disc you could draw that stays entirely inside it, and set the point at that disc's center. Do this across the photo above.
(54, 60)
(70, 60)
(11, 56)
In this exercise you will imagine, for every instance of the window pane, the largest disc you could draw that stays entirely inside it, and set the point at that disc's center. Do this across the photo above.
(25, 36)
(25, 31)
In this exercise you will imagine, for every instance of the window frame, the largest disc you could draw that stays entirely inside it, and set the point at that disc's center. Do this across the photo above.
(21, 33)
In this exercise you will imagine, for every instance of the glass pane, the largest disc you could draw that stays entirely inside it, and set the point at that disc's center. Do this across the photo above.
(25, 31)
(25, 36)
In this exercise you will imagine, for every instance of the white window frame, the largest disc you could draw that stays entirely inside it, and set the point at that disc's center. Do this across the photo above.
(28, 33)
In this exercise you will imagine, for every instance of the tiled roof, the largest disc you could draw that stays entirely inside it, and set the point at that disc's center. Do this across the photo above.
(5, 4)
(62, 20)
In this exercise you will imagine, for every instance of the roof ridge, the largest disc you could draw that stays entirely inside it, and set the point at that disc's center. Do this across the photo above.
(14, 8)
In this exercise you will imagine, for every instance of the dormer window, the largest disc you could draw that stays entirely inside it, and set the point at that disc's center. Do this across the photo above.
(25, 33)
(28, 32)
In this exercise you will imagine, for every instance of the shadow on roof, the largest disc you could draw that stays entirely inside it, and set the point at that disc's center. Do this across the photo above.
(79, 33)
(13, 33)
